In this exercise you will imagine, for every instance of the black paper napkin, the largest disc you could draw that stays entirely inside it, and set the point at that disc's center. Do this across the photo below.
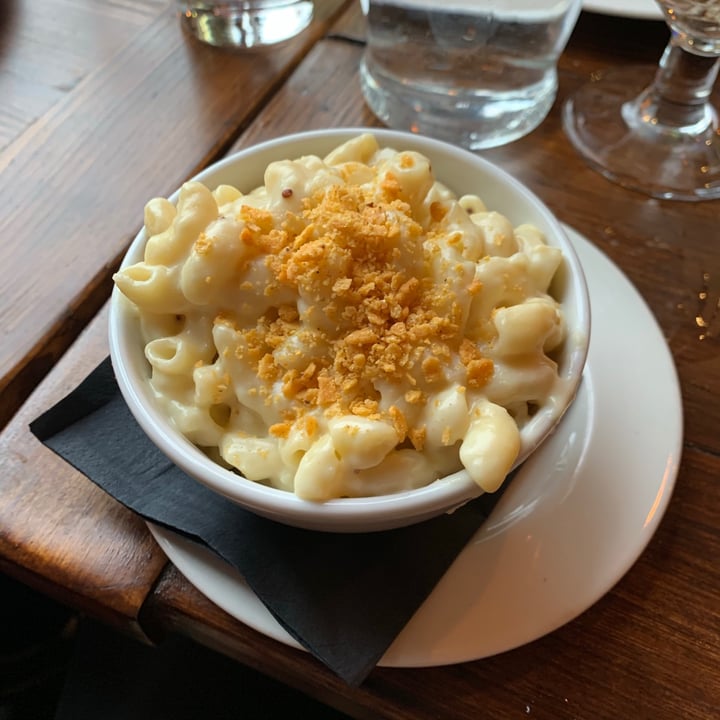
(344, 597)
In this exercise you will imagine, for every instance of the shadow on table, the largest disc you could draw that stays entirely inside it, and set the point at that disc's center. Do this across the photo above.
(55, 665)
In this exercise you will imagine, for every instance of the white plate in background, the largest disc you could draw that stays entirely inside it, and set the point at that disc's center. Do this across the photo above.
(642, 9)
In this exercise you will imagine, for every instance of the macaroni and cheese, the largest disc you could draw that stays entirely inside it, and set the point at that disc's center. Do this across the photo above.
(350, 328)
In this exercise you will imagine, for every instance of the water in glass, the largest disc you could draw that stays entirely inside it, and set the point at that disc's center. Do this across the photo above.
(470, 71)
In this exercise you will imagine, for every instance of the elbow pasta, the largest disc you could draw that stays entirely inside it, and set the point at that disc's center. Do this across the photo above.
(350, 328)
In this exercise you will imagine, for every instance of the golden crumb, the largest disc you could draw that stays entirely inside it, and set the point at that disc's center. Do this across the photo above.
(474, 288)
(288, 313)
(364, 336)
(280, 430)
(432, 369)
(310, 424)
(479, 372)
(257, 220)
(417, 437)
(369, 316)
(342, 285)
(365, 408)
(267, 370)
(399, 422)
(414, 397)
(327, 390)
(202, 245)
(437, 211)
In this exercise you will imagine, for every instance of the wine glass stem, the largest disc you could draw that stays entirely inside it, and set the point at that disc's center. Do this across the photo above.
(677, 101)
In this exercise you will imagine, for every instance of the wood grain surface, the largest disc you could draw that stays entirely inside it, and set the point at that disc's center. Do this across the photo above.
(58, 532)
(650, 648)
(48, 47)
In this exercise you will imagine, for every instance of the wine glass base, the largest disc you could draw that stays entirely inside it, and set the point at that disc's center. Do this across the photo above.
(680, 164)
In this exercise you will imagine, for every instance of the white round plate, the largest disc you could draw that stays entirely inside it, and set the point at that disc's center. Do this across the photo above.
(641, 9)
(570, 525)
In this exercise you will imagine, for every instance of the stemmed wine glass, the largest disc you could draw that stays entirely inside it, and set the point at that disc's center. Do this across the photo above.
(658, 136)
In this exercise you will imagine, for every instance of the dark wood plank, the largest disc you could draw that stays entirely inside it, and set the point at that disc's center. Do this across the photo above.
(48, 46)
(74, 185)
(58, 532)
(177, 607)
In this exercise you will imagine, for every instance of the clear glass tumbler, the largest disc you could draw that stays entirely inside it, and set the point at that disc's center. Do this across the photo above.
(245, 24)
(478, 73)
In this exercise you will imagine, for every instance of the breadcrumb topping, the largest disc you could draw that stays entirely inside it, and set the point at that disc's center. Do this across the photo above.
(367, 318)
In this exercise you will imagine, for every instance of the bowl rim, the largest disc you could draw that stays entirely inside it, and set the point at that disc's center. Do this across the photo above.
(344, 514)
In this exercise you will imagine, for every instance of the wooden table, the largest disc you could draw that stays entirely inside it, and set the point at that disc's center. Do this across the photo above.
(105, 105)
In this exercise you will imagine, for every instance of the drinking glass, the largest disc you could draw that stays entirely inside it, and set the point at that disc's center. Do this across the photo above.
(478, 73)
(658, 136)
(245, 24)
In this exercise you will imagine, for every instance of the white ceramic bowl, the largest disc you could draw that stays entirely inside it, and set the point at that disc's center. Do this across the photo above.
(463, 173)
